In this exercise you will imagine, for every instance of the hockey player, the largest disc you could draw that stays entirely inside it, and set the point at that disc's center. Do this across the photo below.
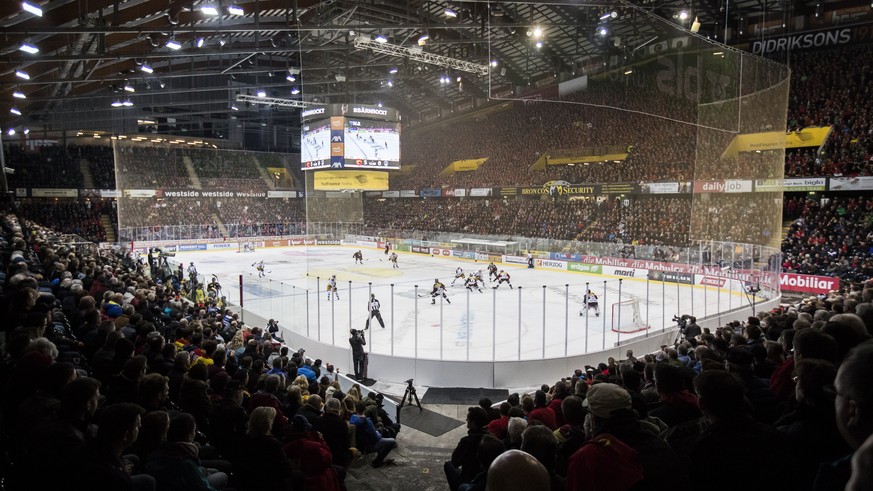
(438, 289)
(459, 273)
(589, 301)
(192, 273)
(259, 266)
(331, 287)
(374, 307)
(502, 277)
(393, 259)
(358, 257)
(492, 271)
(387, 247)
(473, 282)
(478, 275)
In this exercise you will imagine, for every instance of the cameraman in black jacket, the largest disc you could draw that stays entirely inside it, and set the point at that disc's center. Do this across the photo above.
(359, 357)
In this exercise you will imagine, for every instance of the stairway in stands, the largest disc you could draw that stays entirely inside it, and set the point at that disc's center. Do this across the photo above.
(87, 178)
(192, 174)
(108, 229)
(263, 172)
(221, 227)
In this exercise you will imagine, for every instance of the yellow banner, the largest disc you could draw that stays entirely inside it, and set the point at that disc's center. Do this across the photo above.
(463, 166)
(776, 140)
(807, 137)
(566, 156)
(365, 180)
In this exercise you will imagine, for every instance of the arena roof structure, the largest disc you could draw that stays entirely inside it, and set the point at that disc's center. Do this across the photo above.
(178, 65)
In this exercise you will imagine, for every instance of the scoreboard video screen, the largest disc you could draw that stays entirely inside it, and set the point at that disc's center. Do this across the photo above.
(339, 136)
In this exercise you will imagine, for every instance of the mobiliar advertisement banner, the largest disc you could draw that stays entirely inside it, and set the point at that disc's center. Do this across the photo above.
(805, 283)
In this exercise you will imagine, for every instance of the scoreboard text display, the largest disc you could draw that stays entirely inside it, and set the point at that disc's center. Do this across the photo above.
(350, 136)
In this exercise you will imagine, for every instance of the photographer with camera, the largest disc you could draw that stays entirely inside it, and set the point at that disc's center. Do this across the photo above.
(359, 356)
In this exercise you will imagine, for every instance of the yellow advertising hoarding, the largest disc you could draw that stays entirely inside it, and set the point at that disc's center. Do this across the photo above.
(774, 140)
(364, 180)
(463, 166)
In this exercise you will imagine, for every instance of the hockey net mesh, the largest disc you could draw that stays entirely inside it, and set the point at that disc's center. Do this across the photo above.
(246, 246)
(626, 317)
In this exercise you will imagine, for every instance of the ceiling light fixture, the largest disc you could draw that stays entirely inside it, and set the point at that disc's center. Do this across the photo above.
(26, 131)
(379, 104)
(222, 41)
(173, 44)
(683, 15)
(381, 39)
(393, 70)
(605, 16)
(628, 71)
(29, 48)
(291, 78)
(146, 68)
(233, 107)
(537, 31)
(422, 40)
(200, 42)
(19, 95)
(116, 104)
(33, 9)
(209, 9)
(235, 10)
(129, 88)
(11, 131)
(603, 31)
(295, 91)
(127, 103)
(15, 111)
(262, 93)
(22, 74)
(493, 63)
(451, 13)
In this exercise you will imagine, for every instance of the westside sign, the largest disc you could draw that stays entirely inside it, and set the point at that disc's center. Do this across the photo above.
(805, 283)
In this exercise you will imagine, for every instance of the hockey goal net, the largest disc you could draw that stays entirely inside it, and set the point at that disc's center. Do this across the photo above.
(246, 246)
(626, 317)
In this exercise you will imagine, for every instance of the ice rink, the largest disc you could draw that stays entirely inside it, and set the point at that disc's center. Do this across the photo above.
(540, 318)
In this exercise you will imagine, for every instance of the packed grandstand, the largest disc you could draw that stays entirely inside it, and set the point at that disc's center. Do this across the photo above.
(90, 338)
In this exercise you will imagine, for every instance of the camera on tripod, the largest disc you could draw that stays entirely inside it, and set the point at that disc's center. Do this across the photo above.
(409, 382)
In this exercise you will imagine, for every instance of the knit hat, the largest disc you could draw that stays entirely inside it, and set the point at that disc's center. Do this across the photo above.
(602, 399)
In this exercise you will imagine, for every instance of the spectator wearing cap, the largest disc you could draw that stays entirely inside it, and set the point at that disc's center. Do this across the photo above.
(308, 452)
(610, 413)
(732, 432)
(464, 464)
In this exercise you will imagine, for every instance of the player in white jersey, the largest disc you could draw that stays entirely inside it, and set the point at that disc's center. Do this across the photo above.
(259, 266)
(478, 275)
(393, 259)
(501, 278)
(358, 257)
(473, 282)
(589, 301)
(459, 273)
(331, 287)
